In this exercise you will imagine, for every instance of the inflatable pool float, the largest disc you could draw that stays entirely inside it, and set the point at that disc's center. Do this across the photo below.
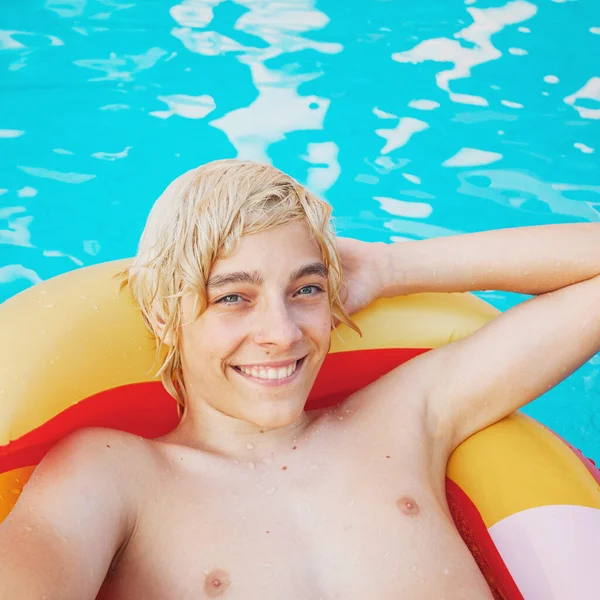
(76, 353)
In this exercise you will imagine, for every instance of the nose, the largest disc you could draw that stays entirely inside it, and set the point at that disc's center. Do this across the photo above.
(277, 325)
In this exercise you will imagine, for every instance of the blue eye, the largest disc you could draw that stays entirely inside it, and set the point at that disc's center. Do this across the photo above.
(229, 299)
(309, 290)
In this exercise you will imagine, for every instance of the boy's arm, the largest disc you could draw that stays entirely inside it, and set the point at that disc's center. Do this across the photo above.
(511, 361)
(470, 384)
(60, 539)
(527, 260)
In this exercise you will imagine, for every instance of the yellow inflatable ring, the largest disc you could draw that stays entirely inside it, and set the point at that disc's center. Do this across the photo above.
(75, 353)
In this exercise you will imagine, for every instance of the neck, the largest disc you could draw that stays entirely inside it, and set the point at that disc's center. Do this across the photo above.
(205, 428)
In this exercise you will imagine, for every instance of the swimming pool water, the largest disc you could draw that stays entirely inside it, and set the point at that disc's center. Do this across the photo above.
(414, 119)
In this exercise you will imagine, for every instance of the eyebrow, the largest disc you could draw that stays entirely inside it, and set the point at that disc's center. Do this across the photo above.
(239, 277)
(253, 278)
(316, 268)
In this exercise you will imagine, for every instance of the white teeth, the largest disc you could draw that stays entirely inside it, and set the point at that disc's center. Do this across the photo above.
(270, 372)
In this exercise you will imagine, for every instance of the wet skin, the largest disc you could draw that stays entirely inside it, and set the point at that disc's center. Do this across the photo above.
(332, 518)
(253, 498)
(250, 497)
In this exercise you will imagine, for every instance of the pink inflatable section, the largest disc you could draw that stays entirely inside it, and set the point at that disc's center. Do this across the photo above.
(541, 545)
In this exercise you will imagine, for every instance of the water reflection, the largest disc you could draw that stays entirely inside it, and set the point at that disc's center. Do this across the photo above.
(590, 91)
(189, 107)
(16, 231)
(11, 133)
(326, 170)
(478, 49)
(522, 191)
(400, 135)
(122, 68)
(278, 108)
(471, 157)
(414, 119)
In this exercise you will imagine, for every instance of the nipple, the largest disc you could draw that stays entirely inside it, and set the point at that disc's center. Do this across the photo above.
(215, 584)
(408, 506)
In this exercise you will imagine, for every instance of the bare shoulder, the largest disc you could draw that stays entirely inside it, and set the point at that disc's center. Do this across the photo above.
(393, 405)
(105, 464)
(97, 447)
(78, 509)
(401, 390)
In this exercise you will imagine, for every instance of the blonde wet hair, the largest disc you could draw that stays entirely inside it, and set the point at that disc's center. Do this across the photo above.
(201, 217)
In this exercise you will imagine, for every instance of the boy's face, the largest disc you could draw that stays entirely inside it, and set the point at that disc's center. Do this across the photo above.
(256, 350)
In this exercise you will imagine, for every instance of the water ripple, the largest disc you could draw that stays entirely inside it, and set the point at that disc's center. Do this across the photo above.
(56, 175)
(497, 185)
(471, 157)
(486, 22)
(590, 91)
(190, 107)
(364, 102)
(11, 133)
(400, 135)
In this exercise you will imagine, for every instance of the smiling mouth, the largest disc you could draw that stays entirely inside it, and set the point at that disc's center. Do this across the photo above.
(264, 374)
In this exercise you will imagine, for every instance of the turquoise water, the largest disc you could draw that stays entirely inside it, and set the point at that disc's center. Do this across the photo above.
(413, 118)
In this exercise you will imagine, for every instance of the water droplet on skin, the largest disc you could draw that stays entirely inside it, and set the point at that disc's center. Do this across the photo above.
(413, 568)
(340, 418)
(251, 466)
(351, 503)
(270, 491)
(268, 460)
(249, 445)
(446, 571)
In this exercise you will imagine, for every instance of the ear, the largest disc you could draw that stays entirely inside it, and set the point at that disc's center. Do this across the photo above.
(159, 329)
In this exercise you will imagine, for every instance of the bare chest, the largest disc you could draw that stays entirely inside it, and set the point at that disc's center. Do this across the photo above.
(318, 528)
